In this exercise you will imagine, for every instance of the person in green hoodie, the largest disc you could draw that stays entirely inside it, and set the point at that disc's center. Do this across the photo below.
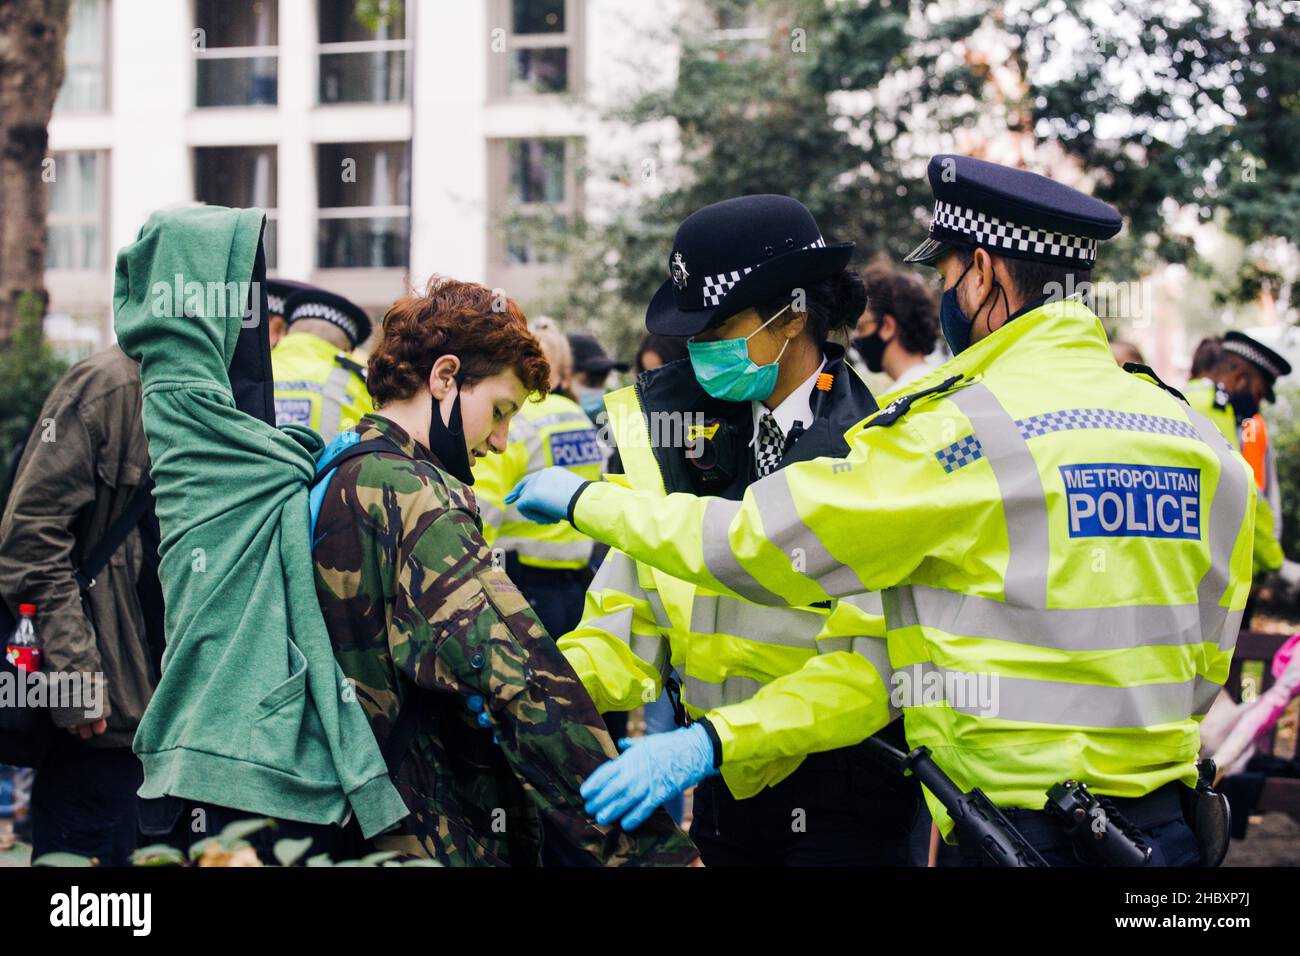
(252, 715)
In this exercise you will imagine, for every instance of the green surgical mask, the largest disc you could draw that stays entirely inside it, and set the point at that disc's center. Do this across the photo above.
(725, 370)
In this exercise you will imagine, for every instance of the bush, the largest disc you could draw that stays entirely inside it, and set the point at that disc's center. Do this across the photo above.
(1284, 436)
(29, 369)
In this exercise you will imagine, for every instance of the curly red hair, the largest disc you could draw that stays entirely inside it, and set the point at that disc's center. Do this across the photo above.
(487, 331)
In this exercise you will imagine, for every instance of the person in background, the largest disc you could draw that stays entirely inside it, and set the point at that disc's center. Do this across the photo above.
(84, 466)
(1126, 352)
(277, 290)
(550, 564)
(900, 325)
(1229, 392)
(317, 383)
(591, 368)
(1206, 354)
(656, 351)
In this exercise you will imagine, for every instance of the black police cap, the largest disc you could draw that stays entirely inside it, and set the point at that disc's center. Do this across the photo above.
(313, 303)
(1012, 212)
(1272, 365)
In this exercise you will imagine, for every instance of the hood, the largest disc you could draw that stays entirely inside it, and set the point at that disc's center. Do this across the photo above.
(188, 272)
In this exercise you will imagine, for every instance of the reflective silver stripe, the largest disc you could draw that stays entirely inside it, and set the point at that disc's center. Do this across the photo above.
(708, 695)
(333, 397)
(783, 626)
(492, 516)
(617, 573)
(1227, 514)
(1028, 700)
(578, 551)
(651, 648)
(1066, 629)
(874, 649)
(557, 418)
(718, 556)
(869, 602)
(1024, 503)
(526, 431)
(660, 612)
(783, 527)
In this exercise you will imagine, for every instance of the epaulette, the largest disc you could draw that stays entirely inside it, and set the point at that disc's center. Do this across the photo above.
(899, 406)
(353, 366)
(1133, 368)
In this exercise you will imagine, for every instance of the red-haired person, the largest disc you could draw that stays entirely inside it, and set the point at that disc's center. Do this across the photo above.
(421, 620)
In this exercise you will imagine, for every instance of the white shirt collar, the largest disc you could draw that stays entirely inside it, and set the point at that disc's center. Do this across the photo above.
(797, 407)
(910, 375)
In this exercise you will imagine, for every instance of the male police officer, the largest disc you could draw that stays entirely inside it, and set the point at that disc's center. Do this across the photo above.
(1066, 536)
(317, 383)
(1238, 379)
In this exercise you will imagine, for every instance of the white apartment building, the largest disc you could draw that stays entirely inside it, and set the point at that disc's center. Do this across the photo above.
(383, 149)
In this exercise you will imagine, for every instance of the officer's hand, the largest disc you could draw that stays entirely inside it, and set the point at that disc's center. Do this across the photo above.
(543, 497)
(91, 728)
(474, 704)
(650, 770)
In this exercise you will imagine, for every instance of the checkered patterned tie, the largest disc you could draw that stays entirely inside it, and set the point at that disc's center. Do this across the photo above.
(771, 444)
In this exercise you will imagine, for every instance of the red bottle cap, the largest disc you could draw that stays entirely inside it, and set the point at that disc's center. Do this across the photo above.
(28, 610)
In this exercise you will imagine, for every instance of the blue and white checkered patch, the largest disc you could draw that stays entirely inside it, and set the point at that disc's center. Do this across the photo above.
(966, 450)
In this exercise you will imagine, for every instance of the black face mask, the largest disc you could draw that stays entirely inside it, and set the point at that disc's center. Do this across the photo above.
(1244, 404)
(872, 349)
(447, 439)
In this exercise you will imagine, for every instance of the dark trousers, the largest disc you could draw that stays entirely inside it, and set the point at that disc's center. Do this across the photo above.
(838, 809)
(182, 823)
(84, 802)
(1172, 841)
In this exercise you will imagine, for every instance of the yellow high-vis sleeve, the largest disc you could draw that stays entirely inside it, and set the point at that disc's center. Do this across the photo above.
(834, 700)
(1267, 550)
(494, 477)
(815, 530)
(618, 650)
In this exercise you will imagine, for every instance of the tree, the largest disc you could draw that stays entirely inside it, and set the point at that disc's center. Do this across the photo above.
(31, 71)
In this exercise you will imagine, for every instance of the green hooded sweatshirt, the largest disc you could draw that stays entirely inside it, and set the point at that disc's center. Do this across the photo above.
(252, 711)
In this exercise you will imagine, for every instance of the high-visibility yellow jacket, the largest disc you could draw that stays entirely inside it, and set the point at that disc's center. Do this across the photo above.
(317, 385)
(1212, 401)
(1065, 549)
(554, 431)
(776, 683)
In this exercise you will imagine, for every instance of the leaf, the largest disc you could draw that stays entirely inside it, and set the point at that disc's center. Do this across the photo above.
(63, 859)
(240, 829)
(198, 849)
(288, 851)
(374, 859)
(159, 854)
(320, 859)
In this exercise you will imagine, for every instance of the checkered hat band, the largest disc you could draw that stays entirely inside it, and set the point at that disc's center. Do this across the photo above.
(316, 310)
(967, 450)
(717, 286)
(275, 304)
(1253, 355)
(998, 233)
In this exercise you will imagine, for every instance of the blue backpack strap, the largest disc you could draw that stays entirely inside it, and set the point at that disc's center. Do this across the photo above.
(344, 446)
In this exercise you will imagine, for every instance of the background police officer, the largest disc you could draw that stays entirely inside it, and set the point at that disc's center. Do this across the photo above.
(317, 383)
(1068, 536)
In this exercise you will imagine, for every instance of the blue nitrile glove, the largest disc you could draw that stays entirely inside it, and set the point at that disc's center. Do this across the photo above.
(650, 770)
(474, 703)
(543, 497)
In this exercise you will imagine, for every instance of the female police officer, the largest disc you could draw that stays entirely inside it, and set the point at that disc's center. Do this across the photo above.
(759, 291)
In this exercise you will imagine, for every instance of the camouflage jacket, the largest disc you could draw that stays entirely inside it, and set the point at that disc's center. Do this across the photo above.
(414, 606)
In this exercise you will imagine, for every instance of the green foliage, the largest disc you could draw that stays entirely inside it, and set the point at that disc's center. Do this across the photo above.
(372, 14)
(28, 370)
(1284, 437)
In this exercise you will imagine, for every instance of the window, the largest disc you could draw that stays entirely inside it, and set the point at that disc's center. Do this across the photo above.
(363, 60)
(85, 54)
(365, 205)
(239, 176)
(236, 52)
(75, 222)
(540, 55)
(540, 193)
